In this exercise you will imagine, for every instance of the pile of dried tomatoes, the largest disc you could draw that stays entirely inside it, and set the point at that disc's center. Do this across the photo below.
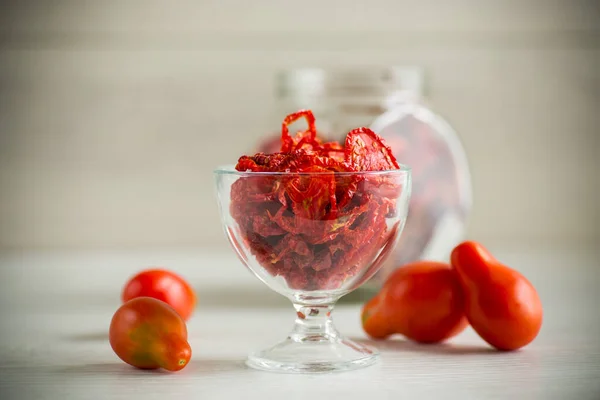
(311, 219)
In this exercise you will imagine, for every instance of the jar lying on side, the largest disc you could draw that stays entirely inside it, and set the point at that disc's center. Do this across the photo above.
(390, 101)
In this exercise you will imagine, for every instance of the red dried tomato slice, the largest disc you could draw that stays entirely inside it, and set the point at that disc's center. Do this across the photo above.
(253, 189)
(304, 141)
(315, 231)
(366, 151)
(312, 196)
(263, 226)
(300, 160)
(261, 162)
(307, 137)
(333, 150)
(246, 163)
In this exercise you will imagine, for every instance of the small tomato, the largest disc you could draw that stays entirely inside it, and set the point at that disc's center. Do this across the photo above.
(502, 306)
(162, 285)
(422, 301)
(149, 334)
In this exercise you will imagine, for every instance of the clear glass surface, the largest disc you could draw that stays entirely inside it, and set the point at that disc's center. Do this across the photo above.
(391, 100)
(441, 192)
(313, 237)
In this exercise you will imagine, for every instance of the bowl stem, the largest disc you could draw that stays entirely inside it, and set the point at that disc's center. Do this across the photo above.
(313, 346)
(314, 324)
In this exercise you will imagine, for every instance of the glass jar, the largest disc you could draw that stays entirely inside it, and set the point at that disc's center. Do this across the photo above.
(442, 194)
(390, 101)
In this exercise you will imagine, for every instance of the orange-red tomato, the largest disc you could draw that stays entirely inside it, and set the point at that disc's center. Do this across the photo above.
(162, 285)
(501, 304)
(149, 334)
(422, 301)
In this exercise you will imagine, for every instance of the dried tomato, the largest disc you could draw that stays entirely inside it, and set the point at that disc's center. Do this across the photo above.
(261, 162)
(366, 151)
(318, 225)
(299, 160)
(312, 196)
(333, 150)
(246, 163)
(307, 137)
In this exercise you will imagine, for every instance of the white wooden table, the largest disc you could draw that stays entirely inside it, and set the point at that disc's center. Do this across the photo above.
(55, 309)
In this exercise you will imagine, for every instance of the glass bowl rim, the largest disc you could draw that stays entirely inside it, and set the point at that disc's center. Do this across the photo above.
(230, 170)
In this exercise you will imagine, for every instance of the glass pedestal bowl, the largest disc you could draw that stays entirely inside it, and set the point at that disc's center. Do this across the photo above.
(313, 237)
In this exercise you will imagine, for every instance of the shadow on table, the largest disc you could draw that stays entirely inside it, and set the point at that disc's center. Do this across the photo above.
(88, 337)
(201, 366)
(402, 345)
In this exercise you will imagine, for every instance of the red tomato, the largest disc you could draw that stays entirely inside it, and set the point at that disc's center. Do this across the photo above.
(422, 301)
(501, 304)
(162, 285)
(148, 334)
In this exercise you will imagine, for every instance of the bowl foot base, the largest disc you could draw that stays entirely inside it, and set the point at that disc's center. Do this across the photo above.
(316, 355)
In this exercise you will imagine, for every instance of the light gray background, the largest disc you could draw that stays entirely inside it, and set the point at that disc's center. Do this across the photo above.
(114, 113)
